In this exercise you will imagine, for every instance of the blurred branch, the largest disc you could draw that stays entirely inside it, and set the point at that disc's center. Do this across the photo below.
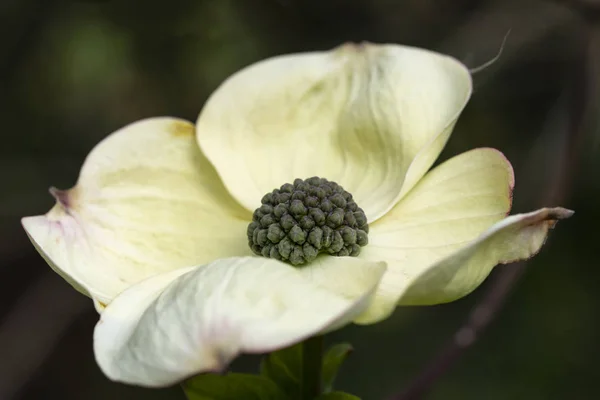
(532, 21)
(481, 316)
(564, 168)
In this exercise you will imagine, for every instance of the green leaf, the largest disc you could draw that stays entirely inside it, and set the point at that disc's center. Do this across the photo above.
(284, 367)
(332, 362)
(337, 396)
(232, 387)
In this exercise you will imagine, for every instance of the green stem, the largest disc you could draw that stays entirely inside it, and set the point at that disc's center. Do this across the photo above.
(312, 365)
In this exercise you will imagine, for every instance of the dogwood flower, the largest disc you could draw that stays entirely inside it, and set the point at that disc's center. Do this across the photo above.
(191, 257)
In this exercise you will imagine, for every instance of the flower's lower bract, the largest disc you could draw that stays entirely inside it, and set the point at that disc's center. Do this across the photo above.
(298, 221)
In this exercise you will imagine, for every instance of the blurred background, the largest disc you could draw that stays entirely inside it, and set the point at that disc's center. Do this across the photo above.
(71, 72)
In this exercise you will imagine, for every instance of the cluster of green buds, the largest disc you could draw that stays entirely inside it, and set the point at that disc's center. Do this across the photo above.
(298, 221)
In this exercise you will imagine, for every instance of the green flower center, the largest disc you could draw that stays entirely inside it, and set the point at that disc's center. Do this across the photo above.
(298, 221)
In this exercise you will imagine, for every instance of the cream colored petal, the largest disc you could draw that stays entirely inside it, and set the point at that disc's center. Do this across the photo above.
(147, 201)
(170, 327)
(458, 208)
(515, 238)
(372, 118)
(345, 276)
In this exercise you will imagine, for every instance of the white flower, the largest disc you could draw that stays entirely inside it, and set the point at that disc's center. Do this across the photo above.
(155, 229)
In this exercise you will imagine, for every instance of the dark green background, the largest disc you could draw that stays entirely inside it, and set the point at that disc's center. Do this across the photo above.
(72, 72)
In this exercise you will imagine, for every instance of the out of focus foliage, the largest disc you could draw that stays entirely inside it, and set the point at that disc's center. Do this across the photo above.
(73, 71)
